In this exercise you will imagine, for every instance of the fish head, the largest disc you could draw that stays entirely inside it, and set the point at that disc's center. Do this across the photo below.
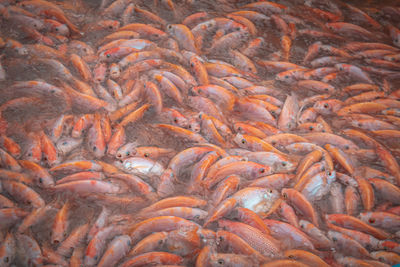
(368, 218)
(332, 235)
(171, 29)
(284, 77)
(22, 51)
(180, 121)
(261, 201)
(209, 25)
(194, 125)
(339, 67)
(284, 166)
(105, 56)
(114, 25)
(330, 26)
(240, 140)
(238, 128)
(396, 41)
(67, 144)
(62, 30)
(323, 107)
(330, 176)
(127, 150)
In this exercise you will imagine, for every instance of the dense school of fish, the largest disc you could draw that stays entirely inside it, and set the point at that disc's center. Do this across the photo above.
(199, 133)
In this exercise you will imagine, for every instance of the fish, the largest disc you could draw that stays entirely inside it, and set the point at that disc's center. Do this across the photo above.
(141, 165)
(199, 133)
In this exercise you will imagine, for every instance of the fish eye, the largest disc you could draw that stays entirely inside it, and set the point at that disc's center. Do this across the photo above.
(197, 217)
(239, 128)
(146, 155)
(327, 89)
(30, 154)
(127, 153)
(243, 141)
(329, 173)
(286, 76)
(220, 261)
(346, 147)
(56, 29)
(40, 180)
(284, 163)
(110, 27)
(192, 65)
(311, 128)
(284, 195)
(334, 239)
(270, 191)
(371, 220)
(119, 155)
(64, 143)
(160, 242)
(94, 148)
(290, 256)
(176, 120)
(326, 105)
(262, 170)
(108, 55)
(121, 161)
(190, 126)
(169, 27)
